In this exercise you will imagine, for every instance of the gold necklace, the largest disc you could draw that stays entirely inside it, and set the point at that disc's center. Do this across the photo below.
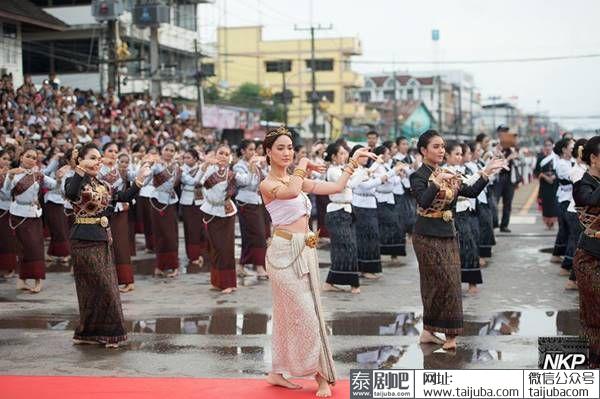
(280, 179)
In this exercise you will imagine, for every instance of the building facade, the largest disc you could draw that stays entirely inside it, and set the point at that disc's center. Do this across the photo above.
(244, 56)
(450, 96)
(78, 55)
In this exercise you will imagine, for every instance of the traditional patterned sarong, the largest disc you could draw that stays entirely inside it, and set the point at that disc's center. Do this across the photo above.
(119, 227)
(8, 244)
(166, 235)
(486, 230)
(344, 265)
(58, 224)
(467, 227)
(587, 269)
(196, 244)
(252, 225)
(221, 247)
(145, 218)
(100, 312)
(439, 270)
(367, 240)
(299, 340)
(391, 233)
(30, 239)
(406, 210)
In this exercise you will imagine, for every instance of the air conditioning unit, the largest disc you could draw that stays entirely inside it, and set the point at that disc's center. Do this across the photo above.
(151, 15)
(106, 10)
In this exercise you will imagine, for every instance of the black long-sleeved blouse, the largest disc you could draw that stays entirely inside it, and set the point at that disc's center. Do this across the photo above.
(92, 198)
(586, 194)
(425, 192)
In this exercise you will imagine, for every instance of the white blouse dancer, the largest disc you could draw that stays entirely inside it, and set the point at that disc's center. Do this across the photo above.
(299, 340)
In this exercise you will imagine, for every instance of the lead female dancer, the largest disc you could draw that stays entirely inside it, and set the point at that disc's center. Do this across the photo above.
(436, 191)
(299, 339)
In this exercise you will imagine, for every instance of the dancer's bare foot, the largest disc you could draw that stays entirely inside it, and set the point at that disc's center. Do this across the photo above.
(324, 390)
(280, 381)
(174, 273)
(555, 259)
(158, 272)
(427, 337)
(473, 289)
(332, 288)
(371, 276)
(450, 343)
(127, 288)
(355, 290)
(243, 272)
(10, 274)
(228, 290)
(571, 285)
(38, 287)
(261, 273)
(111, 346)
(564, 272)
(22, 285)
(482, 262)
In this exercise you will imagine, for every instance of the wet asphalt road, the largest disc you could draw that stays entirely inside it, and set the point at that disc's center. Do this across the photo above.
(181, 328)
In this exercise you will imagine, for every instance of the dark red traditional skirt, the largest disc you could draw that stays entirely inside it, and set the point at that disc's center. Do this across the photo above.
(254, 244)
(439, 272)
(119, 227)
(58, 225)
(30, 239)
(8, 244)
(322, 201)
(131, 218)
(267, 221)
(196, 244)
(166, 237)
(587, 270)
(146, 218)
(221, 248)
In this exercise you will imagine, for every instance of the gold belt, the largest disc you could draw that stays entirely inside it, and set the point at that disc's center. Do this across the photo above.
(102, 221)
(446, 215)
(311, 240)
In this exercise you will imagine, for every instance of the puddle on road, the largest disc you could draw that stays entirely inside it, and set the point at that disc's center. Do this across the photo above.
(231, 322)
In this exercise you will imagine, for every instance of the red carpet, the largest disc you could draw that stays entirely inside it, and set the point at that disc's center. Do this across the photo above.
(25, 387)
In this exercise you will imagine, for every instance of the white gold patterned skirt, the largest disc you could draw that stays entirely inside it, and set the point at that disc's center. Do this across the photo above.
(300, 345)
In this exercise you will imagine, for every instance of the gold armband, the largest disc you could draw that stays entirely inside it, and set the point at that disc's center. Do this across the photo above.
(353, 162)
(299, 172)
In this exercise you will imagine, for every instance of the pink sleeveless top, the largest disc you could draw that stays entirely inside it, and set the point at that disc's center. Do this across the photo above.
(287, 211)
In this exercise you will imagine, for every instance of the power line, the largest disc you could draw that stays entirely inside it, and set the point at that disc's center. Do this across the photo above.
(490, 61)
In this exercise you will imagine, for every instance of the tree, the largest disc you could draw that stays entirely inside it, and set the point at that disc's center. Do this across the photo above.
(248, 95)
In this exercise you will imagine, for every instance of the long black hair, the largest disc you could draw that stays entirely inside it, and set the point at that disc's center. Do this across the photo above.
(332, 149)
(592, 147)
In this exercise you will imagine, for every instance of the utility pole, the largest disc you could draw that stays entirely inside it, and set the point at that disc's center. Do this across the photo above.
(112, 53)
(314, 97)
(155, 89)
(396, 122)
(199, 88)
(284, 96)
(439, 85)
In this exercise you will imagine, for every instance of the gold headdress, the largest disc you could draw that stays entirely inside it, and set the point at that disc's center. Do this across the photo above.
(279, 131)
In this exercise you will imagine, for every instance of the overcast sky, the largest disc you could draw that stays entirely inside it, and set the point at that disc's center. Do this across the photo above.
(399, 30)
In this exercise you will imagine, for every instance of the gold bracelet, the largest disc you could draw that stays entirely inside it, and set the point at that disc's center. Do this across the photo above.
(353, 162)
(80, 169)
(299, 172)
(349, 170)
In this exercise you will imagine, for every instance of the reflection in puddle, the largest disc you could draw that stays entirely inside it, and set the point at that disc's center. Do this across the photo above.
(416, 356)
(230, 321)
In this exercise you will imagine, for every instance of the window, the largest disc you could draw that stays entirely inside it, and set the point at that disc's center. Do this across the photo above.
(208, 69)
(328, 94)
(388, 94)
(365, 96)
(278, 66)
(70, 56)
(323, 64)
(185, 15)
(9, 31)
(350, 95)
(410, 94)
